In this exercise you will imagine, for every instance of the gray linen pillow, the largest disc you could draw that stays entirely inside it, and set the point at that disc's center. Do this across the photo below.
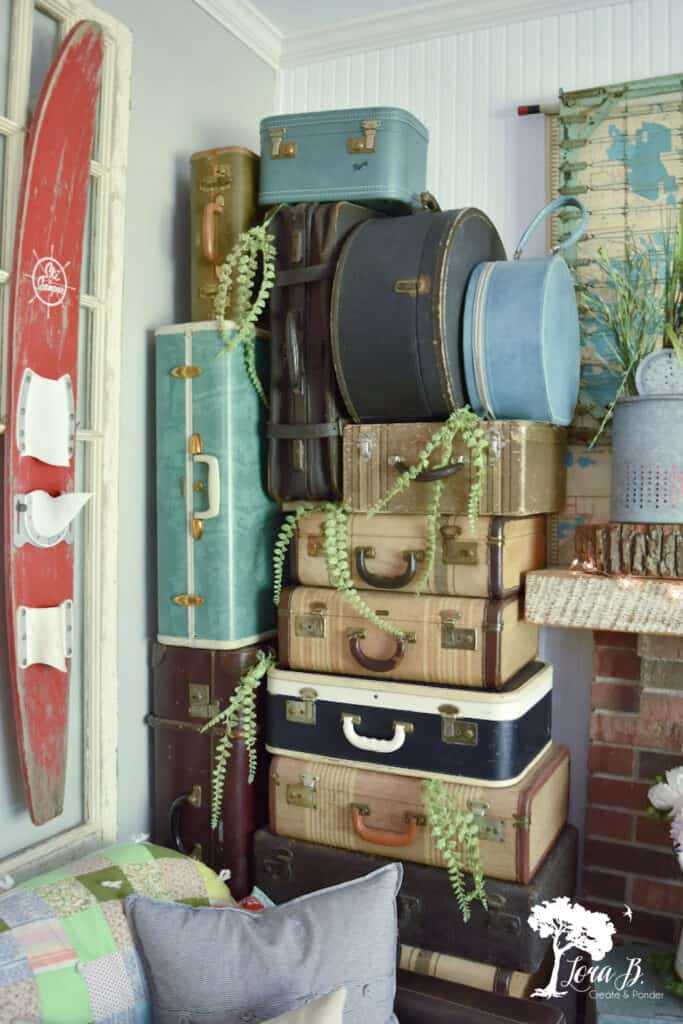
(208, 965)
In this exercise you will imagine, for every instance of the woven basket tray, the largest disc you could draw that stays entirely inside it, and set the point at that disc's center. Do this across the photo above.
(586, 601)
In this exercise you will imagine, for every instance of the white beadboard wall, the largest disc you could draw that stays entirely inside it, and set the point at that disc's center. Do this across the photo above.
(466, 88)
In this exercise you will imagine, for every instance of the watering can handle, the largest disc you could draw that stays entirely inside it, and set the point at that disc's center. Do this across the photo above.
(557, 204)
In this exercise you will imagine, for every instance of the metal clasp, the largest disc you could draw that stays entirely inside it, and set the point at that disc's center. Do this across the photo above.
(199, 704)
(366, 445)
(216, 182)
(185, 372)
(455, 637)
(312, 624)
(302, 712)
(457, 552)
(367, 142)
(305, 794)
(280, 150)
(420, 285)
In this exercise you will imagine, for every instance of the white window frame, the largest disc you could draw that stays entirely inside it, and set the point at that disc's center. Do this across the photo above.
(101, 439)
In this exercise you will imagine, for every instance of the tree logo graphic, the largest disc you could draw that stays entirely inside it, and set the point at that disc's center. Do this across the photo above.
(570, 926)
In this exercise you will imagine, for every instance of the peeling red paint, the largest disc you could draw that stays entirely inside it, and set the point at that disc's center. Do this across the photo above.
(50, 223)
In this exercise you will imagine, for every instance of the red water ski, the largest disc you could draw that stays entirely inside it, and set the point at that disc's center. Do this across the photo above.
(44, 340)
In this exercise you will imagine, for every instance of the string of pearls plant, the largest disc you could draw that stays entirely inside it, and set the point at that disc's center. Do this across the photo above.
(237, 719)
(237, 277)
(456, 836)
(462, 423)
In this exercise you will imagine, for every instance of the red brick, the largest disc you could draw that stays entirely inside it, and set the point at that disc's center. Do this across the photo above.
(650, 765)
(658, 896)
(610, 824)
(632, 859)
(615, 696)
(615, 663)
(604, 885)
(651, 927)
(618, 793)
(659, 674)
(661, 707)
(669, 648)
(603, 638)
(611, 760)
(653, 832)
(629, 730)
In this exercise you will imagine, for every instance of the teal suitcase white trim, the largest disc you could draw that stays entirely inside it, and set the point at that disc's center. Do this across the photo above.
(226, 574)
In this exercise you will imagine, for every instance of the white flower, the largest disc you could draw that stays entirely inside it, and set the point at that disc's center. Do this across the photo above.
(668, 796)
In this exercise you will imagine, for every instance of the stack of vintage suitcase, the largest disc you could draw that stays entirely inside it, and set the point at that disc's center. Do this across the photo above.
(367, 353)
(215, 531)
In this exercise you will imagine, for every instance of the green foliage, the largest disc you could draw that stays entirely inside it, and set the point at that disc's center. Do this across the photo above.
(238, 275)
(456, 836)
(673, 285)
(664, 965)
(237, 719)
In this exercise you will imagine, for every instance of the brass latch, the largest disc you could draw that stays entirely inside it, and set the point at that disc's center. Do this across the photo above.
(490, 829)
(221, 179)
(280, 150)
(305, 794)
(457, 730)
(302, 712)
(200, 705)
(455, 637)
(185, 372)
(208, 290)
(457, 552)
(188, 600)
(195, 797)
(420, 285)
(315, 547)
(367, 142)
(311, 625)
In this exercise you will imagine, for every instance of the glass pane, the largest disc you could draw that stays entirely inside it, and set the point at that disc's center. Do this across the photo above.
(89, 234)
(85, 335)
(5, 27)
(97, 134)
(43, 47)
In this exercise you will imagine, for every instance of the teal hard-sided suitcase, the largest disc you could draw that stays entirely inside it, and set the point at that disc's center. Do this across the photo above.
(215, 524)
(371, 155)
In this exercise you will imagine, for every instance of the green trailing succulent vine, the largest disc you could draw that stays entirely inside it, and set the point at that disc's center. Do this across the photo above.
(238, 274)
(456, 836)
(239, 715)
(462, 423)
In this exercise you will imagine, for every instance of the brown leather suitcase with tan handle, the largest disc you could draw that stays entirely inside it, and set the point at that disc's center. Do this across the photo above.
(451, 641)
(388, 551)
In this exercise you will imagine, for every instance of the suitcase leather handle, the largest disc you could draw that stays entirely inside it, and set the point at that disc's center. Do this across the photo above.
(213, 488)
(387, 582)
(194, 799)
(375, 664)
(401, 730)
(293, 350)
(428, 476)
(211, 211)
(383, 836)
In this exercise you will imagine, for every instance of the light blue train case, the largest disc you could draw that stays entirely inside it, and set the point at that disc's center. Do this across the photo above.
(521, 341)
(375, 156)
(216, 526)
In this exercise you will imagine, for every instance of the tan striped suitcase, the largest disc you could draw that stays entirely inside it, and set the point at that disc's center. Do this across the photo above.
(383, 813)
(484, 977)
(466, 641)
(526, 471)
(387, 553)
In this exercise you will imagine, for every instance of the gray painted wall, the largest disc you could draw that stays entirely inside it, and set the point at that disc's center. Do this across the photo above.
(195, 86)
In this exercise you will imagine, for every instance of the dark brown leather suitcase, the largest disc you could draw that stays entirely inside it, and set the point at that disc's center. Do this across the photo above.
(422, 1000)
(428, 914)
(306, 409)
(190, 686)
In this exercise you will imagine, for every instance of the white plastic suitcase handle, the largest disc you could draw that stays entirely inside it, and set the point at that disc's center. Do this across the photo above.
(214, 486)
(401, 730)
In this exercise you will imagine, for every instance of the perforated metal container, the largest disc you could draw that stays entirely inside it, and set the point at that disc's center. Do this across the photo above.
(647, 460)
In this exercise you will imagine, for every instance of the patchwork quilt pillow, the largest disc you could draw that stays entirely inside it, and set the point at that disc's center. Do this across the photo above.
(66, 952)
(229, 966)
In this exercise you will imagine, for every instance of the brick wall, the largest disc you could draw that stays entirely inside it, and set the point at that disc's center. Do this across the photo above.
(636, 733)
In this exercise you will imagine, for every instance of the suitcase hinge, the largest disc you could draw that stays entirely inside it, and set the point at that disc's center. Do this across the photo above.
(457, 552)
(421, 285)
(455, 637)
(521, 821)
(185, 372)
(311, 625)
(200, 705)
(302, 712)
(455, 730)
(367, 142)
(305, 794)
(280, 150)
(366, 445)
(188, 600)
